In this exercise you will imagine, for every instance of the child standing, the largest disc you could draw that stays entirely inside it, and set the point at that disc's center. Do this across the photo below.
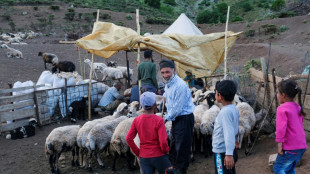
(290, 134)
(153, 137)
(225, 129)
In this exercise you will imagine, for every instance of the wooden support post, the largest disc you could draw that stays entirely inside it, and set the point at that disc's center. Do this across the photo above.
(66, 96)
(36, 105)
(128, 74)
(138, 53)
(90, 75)
(274, 85)
(225, 55)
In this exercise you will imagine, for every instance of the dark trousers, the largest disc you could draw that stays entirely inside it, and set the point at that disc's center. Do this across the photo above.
(219, 163)
(149, 165)
(181, 141)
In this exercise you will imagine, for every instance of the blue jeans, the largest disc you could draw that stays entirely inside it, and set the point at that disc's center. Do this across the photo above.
(149, 165)
(287, 162)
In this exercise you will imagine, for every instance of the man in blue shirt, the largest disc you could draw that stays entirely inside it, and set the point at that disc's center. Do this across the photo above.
(180, 111)
(111, 98)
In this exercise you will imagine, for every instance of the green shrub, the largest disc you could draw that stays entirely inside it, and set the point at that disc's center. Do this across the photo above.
(246, 6)
(158, 20)
(269, 28)
(153, 3)
(305, 21)
(170, 2)
(252, 63)
(249, 33)
(12, 25)
(128, 17)
(167, 9)
(69, 16)
(283, 28)
(80, 15)
(237, 18)
(6, 16)
(35, 8)
(50, 19)
(54, 7)
(287, 14)
(216, 15)
(86, 27)
(71, 10)
(88, 17)
(277, 5)
(106, 16)
(120, 23)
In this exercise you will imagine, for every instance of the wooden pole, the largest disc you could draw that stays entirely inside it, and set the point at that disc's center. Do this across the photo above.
(90, 75)
(36, 104)
(128, 74)
(275, 85)
(225, 55)
(66, 96)
(138, 53)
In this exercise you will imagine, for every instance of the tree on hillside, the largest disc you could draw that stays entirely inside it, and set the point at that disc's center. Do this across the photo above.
(217, 15)
(153, 3)
(277, 5)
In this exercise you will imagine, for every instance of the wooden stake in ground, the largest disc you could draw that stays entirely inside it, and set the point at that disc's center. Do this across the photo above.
(90, 76)
(225, 55)
(138, 53)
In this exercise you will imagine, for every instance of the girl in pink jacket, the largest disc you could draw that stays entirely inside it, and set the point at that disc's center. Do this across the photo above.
(290, 134)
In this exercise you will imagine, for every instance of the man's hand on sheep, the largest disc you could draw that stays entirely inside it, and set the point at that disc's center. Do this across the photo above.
(229, 162)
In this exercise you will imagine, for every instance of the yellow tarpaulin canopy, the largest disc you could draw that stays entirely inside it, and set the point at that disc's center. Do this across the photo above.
(202, 54)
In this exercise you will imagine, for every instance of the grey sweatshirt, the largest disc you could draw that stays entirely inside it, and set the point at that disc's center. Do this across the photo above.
(226, 128)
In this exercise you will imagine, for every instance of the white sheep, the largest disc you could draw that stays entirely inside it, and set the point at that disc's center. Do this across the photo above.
(96, 66)
(124, 71)
(127, 92)
(60, 140)
(112, 73)
(99, 138)
(206, 128)
(133, 109)
(12, 52)
(118, 144)
(84, 131)
(247, 121)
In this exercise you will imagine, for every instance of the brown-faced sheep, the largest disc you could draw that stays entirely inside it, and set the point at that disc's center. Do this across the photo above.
(49, 58)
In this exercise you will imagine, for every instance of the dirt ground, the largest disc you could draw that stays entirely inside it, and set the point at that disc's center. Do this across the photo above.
(27, 156)
(287, 56)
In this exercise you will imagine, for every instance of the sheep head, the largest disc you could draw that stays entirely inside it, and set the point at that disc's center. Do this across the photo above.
(4, 46)
(122, 108)
(40, 54)
(86, 61)
(133, 107)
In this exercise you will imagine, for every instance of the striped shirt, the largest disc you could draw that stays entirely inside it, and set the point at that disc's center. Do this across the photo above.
(178, 99)
(109, 96)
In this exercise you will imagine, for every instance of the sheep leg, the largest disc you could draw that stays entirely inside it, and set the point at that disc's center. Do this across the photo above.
(95, 74)
(90, 169)
(130, 158)
(240, 140)
(114, 160)
(209, 140)
(45, 65)
(73, 154)
(99, 160)
(77, 149)
(51, 157)
(198, 142)
(205, 146)
(249, 140)
(56, 163)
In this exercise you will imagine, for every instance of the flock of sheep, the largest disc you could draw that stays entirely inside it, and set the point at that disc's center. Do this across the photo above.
(108, 134)
(16, 39)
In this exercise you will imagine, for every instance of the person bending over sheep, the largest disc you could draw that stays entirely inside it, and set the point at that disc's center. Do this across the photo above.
(225, 129)
(153, 137)
(111, 98)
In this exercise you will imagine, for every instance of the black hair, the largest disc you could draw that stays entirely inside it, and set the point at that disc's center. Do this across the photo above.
(227, 88)
(290, 89)
(148, 54)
